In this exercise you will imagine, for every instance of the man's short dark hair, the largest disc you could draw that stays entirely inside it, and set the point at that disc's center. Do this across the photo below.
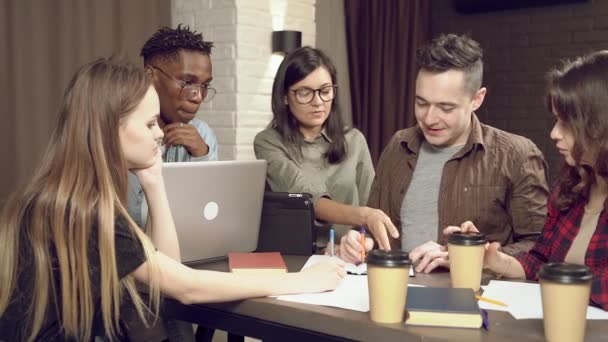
(451, 51)
(167, 42)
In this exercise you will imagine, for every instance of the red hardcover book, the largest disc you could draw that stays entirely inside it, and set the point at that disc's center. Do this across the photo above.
(254, 263)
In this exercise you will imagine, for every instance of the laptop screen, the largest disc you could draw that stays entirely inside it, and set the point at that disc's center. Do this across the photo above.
(216, 206)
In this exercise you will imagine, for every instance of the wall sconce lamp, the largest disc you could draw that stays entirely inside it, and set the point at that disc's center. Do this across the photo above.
(284, 42)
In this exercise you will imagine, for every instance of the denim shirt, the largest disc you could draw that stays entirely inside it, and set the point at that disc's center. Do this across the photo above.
(138, 207)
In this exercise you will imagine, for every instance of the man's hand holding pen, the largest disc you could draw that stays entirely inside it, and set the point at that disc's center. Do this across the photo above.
(354, 245)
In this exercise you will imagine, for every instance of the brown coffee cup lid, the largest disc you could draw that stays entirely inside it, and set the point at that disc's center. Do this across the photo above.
(392, 258)
(565, 273)
(467, 239)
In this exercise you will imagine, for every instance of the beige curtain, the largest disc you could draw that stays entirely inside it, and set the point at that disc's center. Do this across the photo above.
(42, 44)
(331, 38)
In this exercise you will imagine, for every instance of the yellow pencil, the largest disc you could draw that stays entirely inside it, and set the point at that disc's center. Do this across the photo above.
(491, 301)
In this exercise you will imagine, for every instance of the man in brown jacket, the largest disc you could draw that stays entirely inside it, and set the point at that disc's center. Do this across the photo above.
(451, 168)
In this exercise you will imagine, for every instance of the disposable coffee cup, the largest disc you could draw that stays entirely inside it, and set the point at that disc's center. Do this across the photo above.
(565, 290)
(465, 251)
(387, 278)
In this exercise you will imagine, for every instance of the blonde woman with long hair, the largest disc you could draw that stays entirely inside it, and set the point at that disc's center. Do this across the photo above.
(71, 254)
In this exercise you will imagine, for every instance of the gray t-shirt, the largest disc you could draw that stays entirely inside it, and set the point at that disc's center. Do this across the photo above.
(419, 215)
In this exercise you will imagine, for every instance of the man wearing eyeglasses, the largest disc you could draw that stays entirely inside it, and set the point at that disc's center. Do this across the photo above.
(180, 63)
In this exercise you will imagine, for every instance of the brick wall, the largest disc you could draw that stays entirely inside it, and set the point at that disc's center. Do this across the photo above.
(243, 64)
(520, 47)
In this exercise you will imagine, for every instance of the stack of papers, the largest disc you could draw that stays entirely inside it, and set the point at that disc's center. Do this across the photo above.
(523, 300)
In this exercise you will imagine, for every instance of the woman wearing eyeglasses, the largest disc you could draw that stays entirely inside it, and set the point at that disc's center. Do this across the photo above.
(309, 149)
(180, 64)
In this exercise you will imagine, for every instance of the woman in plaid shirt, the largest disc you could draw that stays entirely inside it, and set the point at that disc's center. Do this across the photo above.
(576, 228)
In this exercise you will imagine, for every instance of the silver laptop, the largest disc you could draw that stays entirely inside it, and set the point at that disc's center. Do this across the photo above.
(216, 206)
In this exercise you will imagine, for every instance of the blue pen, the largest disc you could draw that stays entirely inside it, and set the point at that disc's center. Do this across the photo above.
(331, 242)
(485, 320)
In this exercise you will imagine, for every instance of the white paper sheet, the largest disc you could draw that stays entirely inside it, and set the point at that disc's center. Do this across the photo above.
(524, 300)
(350, 268)
(351, 294)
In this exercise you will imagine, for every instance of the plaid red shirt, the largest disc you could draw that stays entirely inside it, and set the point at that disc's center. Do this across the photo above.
(554, 243)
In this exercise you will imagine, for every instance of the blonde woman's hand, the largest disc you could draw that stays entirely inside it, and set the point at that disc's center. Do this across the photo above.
(323, 276)
(151, 175)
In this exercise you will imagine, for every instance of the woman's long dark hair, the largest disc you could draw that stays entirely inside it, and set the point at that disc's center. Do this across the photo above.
(578, 91)
(294, 68)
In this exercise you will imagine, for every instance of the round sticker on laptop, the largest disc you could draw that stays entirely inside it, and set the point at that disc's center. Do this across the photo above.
(210, 211)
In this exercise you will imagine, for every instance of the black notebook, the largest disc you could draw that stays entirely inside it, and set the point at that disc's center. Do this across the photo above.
(447, 307)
